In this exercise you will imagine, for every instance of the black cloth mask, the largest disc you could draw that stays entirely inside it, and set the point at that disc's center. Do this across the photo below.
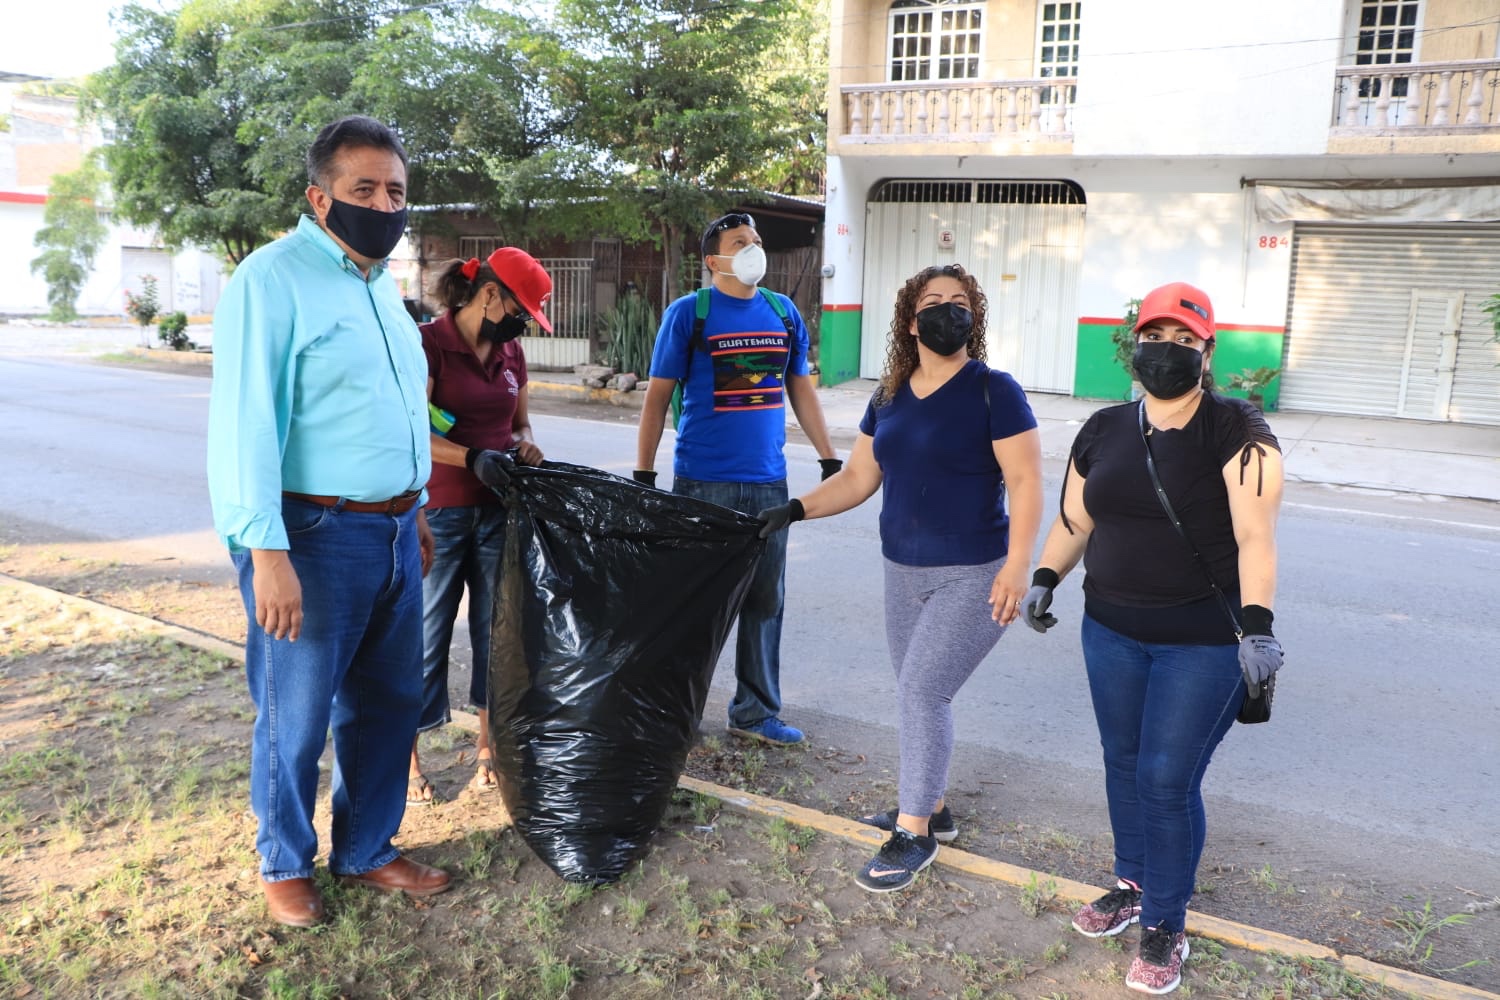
(369, 232)
(508, 328)
(1167, 370)
(945, 328)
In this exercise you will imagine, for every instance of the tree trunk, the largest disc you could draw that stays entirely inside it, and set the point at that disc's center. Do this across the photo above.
(671, 242)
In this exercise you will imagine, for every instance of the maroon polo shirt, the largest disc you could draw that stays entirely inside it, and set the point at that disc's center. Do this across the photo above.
(483, 400)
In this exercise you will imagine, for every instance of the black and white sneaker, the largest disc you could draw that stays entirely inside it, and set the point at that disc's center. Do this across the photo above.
(941, 826)
(898, 862)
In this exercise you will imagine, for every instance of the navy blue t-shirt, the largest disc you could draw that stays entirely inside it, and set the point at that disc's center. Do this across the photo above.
(943, 495)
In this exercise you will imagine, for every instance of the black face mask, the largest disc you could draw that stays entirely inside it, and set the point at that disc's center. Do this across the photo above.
(1167, 370)
(944, 328)
(369, 232)
(508, 328)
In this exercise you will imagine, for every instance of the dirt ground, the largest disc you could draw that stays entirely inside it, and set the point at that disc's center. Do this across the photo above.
(124, 814)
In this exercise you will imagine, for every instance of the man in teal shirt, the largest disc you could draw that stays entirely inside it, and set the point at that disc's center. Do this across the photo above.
(318, 452)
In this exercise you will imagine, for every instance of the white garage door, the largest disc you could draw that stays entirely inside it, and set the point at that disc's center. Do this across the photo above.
(1023, 242)
(1388, 321)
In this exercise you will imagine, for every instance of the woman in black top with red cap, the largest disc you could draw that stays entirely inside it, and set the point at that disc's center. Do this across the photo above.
(1168, 669)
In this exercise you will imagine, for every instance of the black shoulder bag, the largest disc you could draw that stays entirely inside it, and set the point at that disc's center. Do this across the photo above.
(1257, 704)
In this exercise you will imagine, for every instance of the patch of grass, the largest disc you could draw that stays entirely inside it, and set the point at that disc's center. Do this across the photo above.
(44, 765)
(1037, 896)
(1418, 927)
(1267, 881)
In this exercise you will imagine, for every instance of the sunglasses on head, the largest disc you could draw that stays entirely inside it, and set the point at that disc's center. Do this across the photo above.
(733, 220)
(952, 271)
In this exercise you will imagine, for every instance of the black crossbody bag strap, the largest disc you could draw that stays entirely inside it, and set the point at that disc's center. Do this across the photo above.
(1166, 505)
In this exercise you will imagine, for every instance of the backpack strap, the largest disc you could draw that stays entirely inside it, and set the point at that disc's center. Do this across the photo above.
(778, 307)
(700, 317)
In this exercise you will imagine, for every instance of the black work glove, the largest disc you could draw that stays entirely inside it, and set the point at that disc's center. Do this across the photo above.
(646, 477)
(1260, 652)
(830, 466)
(1039, 598)
(773, 519)
(492, 468)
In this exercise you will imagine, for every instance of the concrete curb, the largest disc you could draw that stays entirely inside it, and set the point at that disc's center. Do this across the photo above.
(1225, 931)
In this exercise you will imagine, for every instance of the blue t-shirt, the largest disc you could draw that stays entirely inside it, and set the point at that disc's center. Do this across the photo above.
(943, 495)
(733, 423)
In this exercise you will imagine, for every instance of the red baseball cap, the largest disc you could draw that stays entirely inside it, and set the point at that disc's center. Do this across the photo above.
(1182, 302)
(527, 280)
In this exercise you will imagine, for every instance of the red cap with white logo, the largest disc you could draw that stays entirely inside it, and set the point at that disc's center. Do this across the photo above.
(527, 280)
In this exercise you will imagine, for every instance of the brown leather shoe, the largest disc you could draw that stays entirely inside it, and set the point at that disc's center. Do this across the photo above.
(295, 902)
(403, 875)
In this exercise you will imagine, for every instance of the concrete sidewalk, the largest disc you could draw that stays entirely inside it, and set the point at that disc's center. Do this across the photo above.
(1402, 456)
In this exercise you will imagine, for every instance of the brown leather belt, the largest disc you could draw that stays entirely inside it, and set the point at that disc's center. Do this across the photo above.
(394, 506)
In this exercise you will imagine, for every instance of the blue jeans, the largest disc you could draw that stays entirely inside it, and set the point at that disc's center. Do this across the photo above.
(356, 669)
(468, 543)
(757, 660)
(1162, 710)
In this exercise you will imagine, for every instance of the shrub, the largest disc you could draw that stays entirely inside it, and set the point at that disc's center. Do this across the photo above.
(630, 333)
(144, 307)
(172, 331)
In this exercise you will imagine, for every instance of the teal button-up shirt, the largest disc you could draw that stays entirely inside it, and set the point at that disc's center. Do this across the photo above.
(320, 386)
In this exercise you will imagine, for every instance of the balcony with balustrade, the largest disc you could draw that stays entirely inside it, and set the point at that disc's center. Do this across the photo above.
(1451, 107)
(960, 117)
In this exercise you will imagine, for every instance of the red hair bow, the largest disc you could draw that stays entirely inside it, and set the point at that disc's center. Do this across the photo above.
(471, 268)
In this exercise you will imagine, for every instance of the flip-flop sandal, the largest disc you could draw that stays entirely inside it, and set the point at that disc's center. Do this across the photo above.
(419, 791)
(484, 779)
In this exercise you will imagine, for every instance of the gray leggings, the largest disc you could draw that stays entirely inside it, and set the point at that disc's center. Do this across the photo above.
(938, 626)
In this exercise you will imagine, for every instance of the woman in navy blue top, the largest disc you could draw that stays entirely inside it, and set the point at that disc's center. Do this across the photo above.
(943, 438)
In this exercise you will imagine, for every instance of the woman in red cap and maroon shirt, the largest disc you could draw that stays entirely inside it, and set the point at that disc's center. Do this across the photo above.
(1168, 670)
(476, 373)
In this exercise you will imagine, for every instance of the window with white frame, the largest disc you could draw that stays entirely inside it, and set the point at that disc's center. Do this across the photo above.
(1057, 28)
(935, 39)
(1386, 36)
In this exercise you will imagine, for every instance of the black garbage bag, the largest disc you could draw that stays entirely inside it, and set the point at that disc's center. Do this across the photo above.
(614, 602)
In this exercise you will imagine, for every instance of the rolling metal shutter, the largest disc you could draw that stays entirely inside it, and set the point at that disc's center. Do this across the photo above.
(1022, 241)
(1388, 321)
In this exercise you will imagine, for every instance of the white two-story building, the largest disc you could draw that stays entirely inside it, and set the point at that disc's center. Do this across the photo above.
(1328, 170)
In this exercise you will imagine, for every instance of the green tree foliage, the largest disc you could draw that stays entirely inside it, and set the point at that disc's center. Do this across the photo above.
(212, 109)
(672, 95)
(794, 75)
(70, 237)
(618, 117)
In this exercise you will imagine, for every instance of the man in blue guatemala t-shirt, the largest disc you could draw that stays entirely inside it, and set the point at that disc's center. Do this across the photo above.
(737, 379)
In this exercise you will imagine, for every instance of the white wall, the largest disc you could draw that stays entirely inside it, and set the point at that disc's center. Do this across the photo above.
(1208, 78)
(20, 290)
(196, 276)
(844, 233)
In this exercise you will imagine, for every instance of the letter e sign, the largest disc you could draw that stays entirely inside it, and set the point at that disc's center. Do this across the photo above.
(947, 239)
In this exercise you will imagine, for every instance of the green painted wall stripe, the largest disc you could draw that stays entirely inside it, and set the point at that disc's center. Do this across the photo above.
(1097, 376)
(838, 346)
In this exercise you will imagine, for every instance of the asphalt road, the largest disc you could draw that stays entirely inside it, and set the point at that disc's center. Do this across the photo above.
(1385, 748)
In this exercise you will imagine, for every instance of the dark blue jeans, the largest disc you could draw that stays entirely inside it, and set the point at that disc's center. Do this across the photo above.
(757, 661)
(356, 669)
(467, 545)
(1162, 710)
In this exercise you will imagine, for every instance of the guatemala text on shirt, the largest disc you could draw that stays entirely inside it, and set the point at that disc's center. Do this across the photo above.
(749, 370)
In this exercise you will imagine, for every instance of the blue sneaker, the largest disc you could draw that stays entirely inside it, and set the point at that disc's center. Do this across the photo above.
(771, 730)
(898, 862)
